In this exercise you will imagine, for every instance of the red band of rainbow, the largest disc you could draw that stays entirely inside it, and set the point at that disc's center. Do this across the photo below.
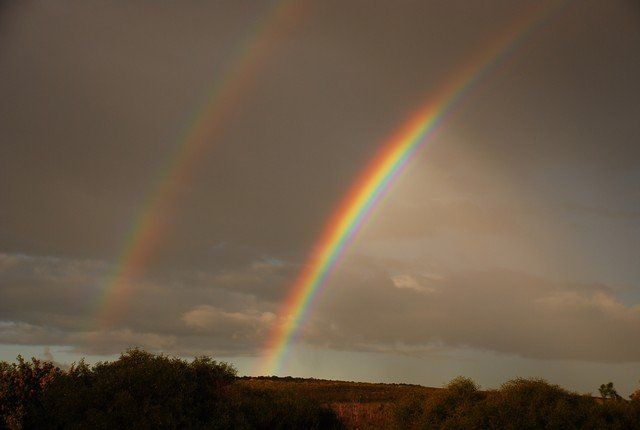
(151, 222)
(376, 178)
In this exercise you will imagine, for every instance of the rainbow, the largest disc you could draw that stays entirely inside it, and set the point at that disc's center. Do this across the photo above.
(372, 184)
(152, 219)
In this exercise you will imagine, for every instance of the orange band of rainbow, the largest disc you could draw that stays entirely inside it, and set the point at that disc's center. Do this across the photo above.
(374, 181)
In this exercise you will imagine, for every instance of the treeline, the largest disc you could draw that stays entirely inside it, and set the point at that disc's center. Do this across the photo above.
(141, 390)
(519, 404)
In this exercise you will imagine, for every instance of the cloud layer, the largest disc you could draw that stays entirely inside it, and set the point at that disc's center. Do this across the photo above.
(381, 306)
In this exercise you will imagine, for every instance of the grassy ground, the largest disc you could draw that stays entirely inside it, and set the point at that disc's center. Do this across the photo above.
(360, 405)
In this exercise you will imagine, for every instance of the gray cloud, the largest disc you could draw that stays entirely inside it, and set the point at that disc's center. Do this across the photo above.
(495, 310)
(58, 301)
(382, 306)
(97, 98)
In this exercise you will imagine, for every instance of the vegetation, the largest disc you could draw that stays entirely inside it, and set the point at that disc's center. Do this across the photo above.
(518, 404)
(359, 405)
(143, 390)
(608, 392)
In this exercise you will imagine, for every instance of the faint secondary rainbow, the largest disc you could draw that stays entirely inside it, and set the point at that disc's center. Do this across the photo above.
(218, 103)
(374, 181)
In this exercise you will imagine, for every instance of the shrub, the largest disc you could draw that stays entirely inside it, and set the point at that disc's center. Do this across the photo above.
(536, 404)
(22, 387)
(458, 405)
(141, 390)
(518, 404)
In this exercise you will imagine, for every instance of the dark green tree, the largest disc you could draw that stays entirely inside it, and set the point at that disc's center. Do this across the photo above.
(608, 392)
(141, 390)
(22, 388)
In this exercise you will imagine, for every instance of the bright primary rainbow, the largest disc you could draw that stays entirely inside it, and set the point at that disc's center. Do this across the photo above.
(151, 222)
(374, 181)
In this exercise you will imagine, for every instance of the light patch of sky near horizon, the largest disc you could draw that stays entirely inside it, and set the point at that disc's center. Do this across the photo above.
(489, 369)
(61, 354)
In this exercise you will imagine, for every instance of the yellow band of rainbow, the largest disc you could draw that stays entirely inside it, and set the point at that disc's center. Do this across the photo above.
(151, 222)
(375, 179)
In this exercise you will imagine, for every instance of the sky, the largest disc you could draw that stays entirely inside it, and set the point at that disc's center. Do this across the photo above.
(166, 169)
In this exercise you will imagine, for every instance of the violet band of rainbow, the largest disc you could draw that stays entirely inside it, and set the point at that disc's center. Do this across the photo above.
(152, 219)
(375, 180)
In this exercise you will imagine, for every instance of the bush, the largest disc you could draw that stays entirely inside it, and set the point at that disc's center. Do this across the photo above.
(22, 388)
(518, 404)
(141, 390)
(458, 405)
(536, 404)
(279, 410)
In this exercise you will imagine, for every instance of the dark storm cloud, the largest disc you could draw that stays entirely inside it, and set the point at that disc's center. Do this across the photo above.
(96, 97)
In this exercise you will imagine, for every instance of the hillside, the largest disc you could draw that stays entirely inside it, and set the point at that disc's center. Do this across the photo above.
(360, 405)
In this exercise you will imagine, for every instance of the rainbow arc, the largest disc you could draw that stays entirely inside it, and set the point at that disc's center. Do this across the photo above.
(374, 181)
(153, 218)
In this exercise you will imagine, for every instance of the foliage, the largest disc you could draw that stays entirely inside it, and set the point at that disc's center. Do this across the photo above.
(22, 388)
(635, 396)
(359, 405)
(608, 392)
(518, 404)
(280, 410)
(143, 390)
(536, 404)
(327, 391)
(457, 406)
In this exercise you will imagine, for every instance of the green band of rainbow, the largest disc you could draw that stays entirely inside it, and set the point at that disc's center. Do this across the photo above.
(375, 180)
(218, 103)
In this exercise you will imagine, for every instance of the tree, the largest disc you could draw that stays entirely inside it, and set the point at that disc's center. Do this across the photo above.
(22, 388)
(457, 406)
(635, 396)
(533, 403)
(143, 390)
(608, 392)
